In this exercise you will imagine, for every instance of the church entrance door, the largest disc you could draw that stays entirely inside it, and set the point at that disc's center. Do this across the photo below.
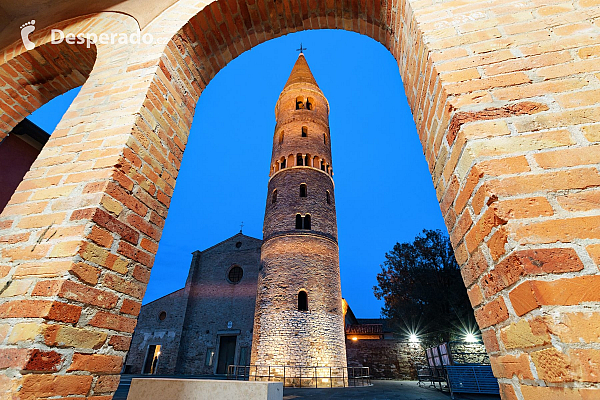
(226, 353)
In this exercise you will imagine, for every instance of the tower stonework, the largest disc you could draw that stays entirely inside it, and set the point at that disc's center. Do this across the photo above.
(299, 317)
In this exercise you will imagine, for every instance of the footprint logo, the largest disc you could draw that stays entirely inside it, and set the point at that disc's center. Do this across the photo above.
(26, 30)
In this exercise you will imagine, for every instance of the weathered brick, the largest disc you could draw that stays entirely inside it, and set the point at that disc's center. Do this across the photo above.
(552, 365)
(45, 385)
(113, 321)
(82, 293)
(508, 366)
(523, 334)
(491, 313)
(67, 336)
(96, 363)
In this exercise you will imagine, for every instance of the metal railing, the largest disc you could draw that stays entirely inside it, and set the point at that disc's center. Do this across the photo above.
(302, 376)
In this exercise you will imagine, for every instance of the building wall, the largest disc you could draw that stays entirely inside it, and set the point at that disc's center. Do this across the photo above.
(215, 302)
(16, 156)
(310, 337)
(386, 358)
(152, 330)
(505, 102)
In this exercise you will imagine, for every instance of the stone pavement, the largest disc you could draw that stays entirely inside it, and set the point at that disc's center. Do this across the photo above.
(381, 390)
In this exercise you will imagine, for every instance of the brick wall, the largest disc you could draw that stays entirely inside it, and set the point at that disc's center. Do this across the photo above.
(504, 99)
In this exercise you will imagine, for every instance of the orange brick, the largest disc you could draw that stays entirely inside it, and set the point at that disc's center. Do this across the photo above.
(592, 132)
(131, 307)
(492, 313)
(547, 393)
(580, 201)
(120, 343)
(508, 366)
(575, 327)
(132, 288)
(41, 221)
(113, 321)
(473, 269)
(101, 236)
(588, 155)
(82, 293)
(552, 365)
(581, 178)
(563, 230)
(475, 295)
(96, 363)
(86, 273)
(45, 385)
(107, 384)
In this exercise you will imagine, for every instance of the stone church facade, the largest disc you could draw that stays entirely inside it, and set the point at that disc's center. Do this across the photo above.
(207, 325)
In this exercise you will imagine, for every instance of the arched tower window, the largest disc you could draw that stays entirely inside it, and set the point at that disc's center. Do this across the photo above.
(302, 301)
(274, 196)
(328, 197)
(281, 137)
(298, 221)
(322, 165)
(283, 163)
(299, 103)
(307, 221)
(310, 104)
(304, 131)
(303, 190)
(299, 160)
(324, 138)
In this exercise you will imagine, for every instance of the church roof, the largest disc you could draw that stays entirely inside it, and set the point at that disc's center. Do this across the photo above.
(237, 236)
(301, 73)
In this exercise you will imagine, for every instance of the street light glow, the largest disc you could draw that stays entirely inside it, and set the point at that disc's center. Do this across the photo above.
(470, 338)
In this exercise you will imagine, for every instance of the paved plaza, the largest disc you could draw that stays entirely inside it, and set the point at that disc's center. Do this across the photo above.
(380, 390)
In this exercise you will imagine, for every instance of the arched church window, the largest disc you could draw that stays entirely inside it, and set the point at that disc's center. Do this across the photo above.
(298, 221)
(324, 139)
(299, 160)
(307, 221)
(302, 301)
(283, 163)
(274, 197)
(304, 131)
(328, 197)
(299, 103)
(281, 137)
(310, 104)
(303, 189)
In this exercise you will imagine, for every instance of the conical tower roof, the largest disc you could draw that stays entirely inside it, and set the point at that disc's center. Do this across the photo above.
(301, 73)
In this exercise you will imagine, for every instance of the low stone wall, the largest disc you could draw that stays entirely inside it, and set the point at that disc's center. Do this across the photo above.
(198, 389)
(386, 358)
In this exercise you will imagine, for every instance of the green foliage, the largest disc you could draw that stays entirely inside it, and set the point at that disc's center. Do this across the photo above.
(423, 290)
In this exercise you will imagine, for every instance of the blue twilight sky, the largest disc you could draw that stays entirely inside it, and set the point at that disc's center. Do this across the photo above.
(384, 192)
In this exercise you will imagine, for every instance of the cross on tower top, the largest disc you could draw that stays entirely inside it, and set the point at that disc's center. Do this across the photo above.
(301, 49)
(241, 226)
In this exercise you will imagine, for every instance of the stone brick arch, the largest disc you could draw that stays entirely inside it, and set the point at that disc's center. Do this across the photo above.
(506, 108)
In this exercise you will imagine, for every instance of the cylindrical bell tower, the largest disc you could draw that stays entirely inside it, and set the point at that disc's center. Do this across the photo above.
(299, 318)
